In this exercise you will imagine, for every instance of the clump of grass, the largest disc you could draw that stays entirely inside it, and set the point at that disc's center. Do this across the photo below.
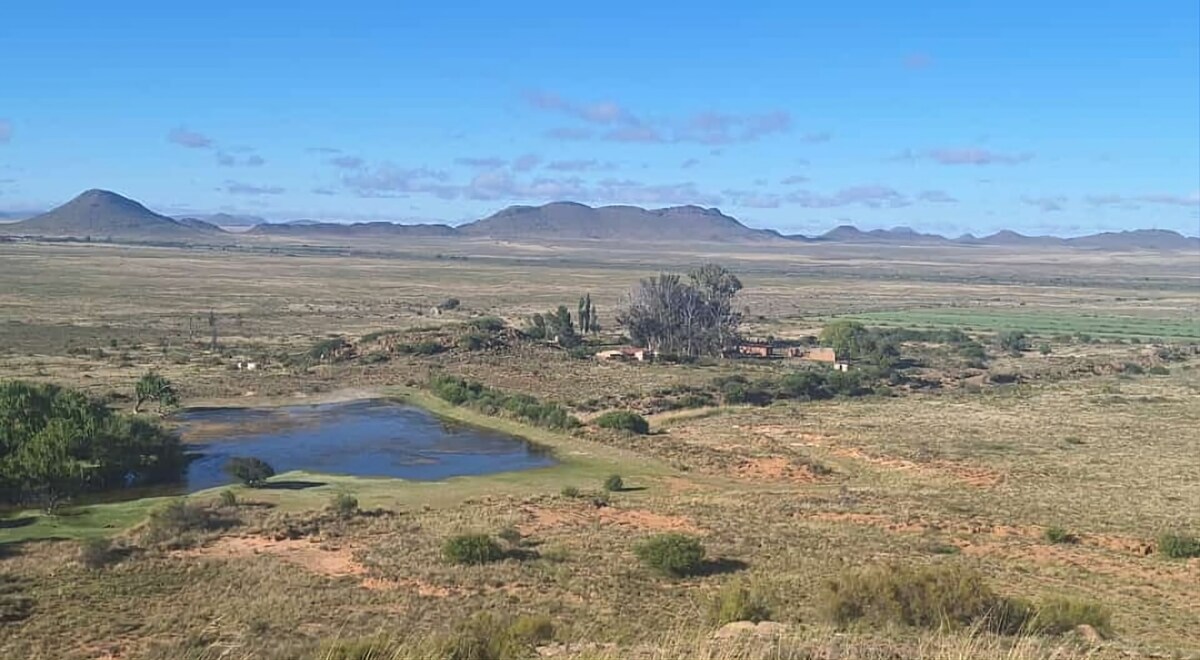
(673, 554)
(624, 420)
(1159, 370)
(97, 553)
(227, 498)
(614, 483)
(1059, 615)
(738, 601)
(933, 597)
(178, 523)
(344, 505)
(488, 636)
(569, 491)
(471, 549)
(15, 604)
(1057, 534)
(1177, 545)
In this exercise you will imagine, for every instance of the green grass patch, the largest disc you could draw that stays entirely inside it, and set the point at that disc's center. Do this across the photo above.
(1038, 322)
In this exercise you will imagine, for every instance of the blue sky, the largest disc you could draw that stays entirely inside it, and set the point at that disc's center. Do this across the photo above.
(1043, 117)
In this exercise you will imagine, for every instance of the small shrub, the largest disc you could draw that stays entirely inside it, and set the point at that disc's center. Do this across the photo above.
(1056, 534)
(471, 549)
(1013, 342)
(1060, 615)
(624, 420)
(1044, 349)
(569, 491)
(449, 304)
(227, 498)
(614, 483)
(1178, 546)
(923, 597)
(674, 554)
(737, 601)
(96, 553)
(1132, 368)
(1158, 370)
(344, 505)
(251, 471)
(176, 524)
(488, 324)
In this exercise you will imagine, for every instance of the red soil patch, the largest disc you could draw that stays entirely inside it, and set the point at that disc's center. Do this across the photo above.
(328, 561)
(775, 468)
(422, 588)
(1113, 543)
(332, 561)
(972, 475)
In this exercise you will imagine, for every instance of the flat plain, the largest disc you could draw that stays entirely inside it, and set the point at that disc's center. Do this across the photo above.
(1096, 432)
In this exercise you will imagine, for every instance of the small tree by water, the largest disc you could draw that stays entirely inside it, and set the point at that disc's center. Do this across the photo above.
(250, 471)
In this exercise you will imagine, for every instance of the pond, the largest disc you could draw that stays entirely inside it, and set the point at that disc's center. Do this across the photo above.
(374, 438)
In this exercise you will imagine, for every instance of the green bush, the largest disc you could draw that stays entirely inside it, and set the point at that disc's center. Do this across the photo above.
(462, 392)
(344, 505)
(251, 471)
(569, 491)
(738, 601)
(1178, 545)
(1056, 534)
(1132, 368)
(674, 554)
(1060, 615)
(614, 483)
(471, 549)
(624, 420)
(227, 498)
(933, 597)
(1158, 370)
(1044, 349)
(805, 385)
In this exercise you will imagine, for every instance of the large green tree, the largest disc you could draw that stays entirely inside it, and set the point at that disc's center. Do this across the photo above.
(56, 443)
(688, 318)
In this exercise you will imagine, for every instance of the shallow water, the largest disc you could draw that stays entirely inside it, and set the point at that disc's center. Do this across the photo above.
(375, 438)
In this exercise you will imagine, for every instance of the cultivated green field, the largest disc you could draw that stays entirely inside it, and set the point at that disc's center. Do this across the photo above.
(1041, 322)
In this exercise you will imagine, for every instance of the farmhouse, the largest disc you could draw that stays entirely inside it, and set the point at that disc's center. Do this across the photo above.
(760, 349)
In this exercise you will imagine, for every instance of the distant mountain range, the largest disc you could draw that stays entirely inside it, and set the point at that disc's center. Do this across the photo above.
(102, 214)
